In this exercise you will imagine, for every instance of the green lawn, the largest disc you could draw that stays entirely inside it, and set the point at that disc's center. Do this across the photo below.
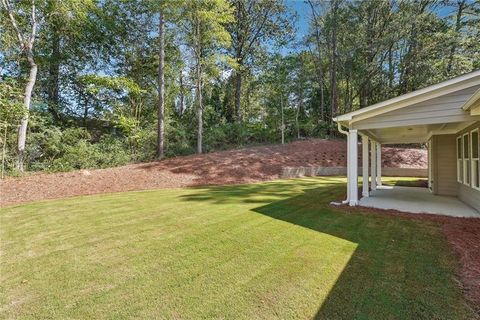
(268, 250)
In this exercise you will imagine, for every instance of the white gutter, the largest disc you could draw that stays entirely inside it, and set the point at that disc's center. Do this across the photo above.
(340, 128)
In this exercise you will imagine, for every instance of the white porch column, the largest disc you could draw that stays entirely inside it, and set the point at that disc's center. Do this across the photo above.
(373, 169)
(353, 167)
(379, 164)
(365, 166)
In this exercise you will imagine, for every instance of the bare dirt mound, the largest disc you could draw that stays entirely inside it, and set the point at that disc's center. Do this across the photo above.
(226, 167)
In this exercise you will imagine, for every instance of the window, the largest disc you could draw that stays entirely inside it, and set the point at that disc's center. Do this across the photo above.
(459, 160)
(466, 159)
(475, 158)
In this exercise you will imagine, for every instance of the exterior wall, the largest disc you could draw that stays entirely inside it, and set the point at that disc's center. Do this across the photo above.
(469, 195)
(444, 168)
(466, 193)
(444, 109)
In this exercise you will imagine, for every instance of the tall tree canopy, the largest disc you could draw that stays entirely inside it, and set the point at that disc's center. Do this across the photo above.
(90, 83)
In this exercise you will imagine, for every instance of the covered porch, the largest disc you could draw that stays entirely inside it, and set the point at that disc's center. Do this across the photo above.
(417, 200)
(432, 116)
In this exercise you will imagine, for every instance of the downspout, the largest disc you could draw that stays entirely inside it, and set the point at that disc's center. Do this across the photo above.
(348, 171)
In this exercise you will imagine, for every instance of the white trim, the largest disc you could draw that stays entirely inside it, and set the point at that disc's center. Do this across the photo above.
(459, 83)
(348, 169)
(373, 164)
(365, 189)
(353, 167)
(473, 160)
(379, 164)
(430, 164)
(466, 161)
(459, 149)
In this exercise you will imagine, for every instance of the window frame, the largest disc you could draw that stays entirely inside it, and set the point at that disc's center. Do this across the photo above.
(466, 166)
(459, 159)
(474, 161)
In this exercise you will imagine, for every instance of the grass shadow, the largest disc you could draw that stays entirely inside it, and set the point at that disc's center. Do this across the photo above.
(401, 269)
(419, 183)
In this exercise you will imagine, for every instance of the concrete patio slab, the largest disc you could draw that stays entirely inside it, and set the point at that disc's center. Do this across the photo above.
(417, 200)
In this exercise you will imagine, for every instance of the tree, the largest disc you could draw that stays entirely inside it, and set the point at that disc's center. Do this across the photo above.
(161, 87)
(461, 6)
(26, 41)
(333, 58)
(257, 22)
(204, 27)
(318, 42)
(68, 41)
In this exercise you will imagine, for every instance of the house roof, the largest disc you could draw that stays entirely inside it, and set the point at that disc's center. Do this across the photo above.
(430, 92)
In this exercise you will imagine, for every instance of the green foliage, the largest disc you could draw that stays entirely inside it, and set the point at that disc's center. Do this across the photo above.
(11, 105)
(51, 148)
(83, 154)
(95, 99)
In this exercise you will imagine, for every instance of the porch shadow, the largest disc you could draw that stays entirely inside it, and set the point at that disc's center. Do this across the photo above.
(398, 270)
(401, 268)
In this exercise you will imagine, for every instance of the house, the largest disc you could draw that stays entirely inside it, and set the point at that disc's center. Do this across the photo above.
(444, 116)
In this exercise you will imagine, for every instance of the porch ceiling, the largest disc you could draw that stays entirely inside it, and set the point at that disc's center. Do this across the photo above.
(414, 133)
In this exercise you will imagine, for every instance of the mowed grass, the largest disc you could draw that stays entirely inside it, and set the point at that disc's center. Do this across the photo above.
(267, 250)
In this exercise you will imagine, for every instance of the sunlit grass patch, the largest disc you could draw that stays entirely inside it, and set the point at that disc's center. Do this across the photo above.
(265, 250)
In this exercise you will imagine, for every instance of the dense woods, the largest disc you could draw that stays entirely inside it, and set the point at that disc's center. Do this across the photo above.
(89, 83)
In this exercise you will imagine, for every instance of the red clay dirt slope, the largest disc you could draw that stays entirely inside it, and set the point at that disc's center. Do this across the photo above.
(226, 167)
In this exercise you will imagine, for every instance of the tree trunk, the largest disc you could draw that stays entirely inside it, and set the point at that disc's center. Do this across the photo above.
(238, 94)
(53, 88)
(391, 70)
(182, 94)
(22, 129)
(199, 90)
(458, 26)
(283, 120)
(333, 66)
(199, 112)
(408, 81)
(85, 112)
(319, 62)
(297, 115)
(161, 89)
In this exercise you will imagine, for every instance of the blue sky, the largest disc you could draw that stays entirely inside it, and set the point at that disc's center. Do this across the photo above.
(302, 8)
(303, 12)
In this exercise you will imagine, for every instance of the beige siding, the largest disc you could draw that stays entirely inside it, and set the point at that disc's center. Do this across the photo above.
(444, 109)
(444, 168)
(469, 195)
(466, 193)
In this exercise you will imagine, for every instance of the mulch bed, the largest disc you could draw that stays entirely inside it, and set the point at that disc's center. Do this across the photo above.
(463, 235)
(227, 167)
